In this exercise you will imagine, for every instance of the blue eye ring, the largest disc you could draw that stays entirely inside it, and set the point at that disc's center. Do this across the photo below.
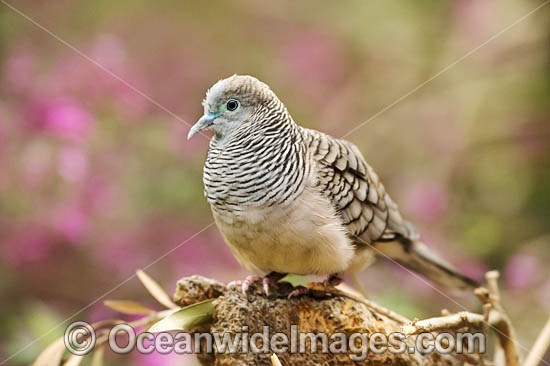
(232, 105)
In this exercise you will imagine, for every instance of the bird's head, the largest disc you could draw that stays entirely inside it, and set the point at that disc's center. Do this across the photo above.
(230, 102)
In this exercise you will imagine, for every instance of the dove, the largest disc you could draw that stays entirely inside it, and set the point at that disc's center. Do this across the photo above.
(292, 200)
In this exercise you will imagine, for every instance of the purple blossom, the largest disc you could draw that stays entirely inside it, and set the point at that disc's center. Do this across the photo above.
(72, 223)
(60, 117)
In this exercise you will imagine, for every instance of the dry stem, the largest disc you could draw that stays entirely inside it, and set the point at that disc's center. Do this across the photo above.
(540, 347)
(453, 321)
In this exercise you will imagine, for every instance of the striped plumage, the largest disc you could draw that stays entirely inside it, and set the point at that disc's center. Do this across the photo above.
(258, 166)
(293, 200)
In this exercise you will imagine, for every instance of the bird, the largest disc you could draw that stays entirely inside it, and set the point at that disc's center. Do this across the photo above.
(293, 200)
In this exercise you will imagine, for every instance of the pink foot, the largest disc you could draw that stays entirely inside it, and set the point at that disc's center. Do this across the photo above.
(245, 284)
(328, 284)
(299, 291)
(268, 281)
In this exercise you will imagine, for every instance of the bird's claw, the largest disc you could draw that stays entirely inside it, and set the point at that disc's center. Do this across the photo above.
(249, 280)
(332, 281)
(245, 284)
(268, 281)
(299, 291)
(324, 287)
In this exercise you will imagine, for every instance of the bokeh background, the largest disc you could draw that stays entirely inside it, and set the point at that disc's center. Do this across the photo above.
(97, 178)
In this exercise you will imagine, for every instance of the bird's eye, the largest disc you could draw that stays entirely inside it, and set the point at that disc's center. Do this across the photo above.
(232, 105)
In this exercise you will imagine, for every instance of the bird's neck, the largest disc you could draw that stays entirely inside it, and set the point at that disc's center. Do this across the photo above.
(261, 167)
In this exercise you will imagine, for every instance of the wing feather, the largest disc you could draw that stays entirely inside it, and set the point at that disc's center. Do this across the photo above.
(355, 190)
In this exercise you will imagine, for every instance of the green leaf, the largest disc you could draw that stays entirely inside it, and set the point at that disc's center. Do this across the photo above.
(186, 318)
(128, 307)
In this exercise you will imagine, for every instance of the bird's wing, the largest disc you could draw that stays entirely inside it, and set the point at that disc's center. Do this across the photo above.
(368, 212)
(355, 190)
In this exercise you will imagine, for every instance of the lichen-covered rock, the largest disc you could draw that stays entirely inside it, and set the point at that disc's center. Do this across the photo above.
(190, 290)
(316, 313)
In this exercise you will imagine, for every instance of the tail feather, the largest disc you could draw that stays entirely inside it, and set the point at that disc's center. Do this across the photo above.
(416, 256)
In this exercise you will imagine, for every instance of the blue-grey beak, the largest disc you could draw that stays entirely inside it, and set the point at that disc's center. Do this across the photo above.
(204, 122)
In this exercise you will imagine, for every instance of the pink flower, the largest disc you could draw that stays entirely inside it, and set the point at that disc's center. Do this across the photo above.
(72, 223)
(60, 117)
(521, 270)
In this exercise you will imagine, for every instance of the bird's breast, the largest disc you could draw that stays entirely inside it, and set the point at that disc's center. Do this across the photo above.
(235, 180)
(303, 237)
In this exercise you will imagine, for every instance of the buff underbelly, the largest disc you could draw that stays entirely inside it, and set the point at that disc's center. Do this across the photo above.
(303, 238)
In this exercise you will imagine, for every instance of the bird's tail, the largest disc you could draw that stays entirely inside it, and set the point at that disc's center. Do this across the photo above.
(416, 256)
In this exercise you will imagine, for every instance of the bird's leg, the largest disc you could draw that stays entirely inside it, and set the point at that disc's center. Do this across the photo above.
(332, 281)
(299, 291)
(249, 280)
(270, 280)
(245, 284)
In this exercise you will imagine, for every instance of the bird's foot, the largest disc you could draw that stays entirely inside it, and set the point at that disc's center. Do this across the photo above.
(325, 288)
(299, 291)
(245, 284)
(269, 281)
(332, 281)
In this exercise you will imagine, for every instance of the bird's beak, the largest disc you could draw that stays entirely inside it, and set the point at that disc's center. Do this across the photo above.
(204, 122)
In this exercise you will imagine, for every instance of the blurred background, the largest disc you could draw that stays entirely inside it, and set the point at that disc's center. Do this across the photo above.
(97, 178)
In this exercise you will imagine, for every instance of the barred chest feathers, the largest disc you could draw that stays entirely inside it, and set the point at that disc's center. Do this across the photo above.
(263, 199)
(255, 170)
